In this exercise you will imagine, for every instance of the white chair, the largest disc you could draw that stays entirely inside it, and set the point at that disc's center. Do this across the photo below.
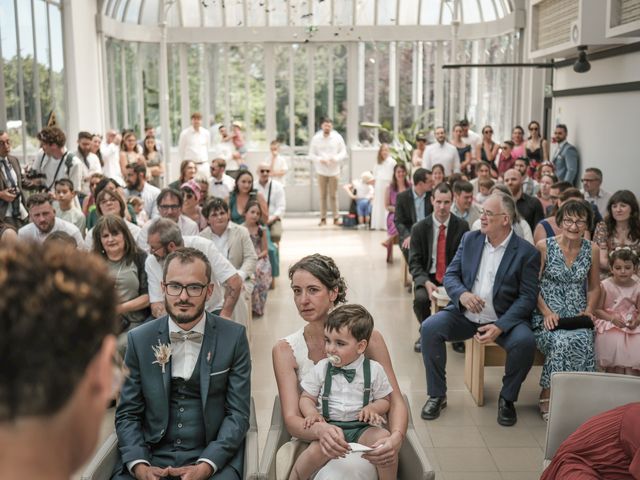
(413, 462)
(578, 396)
(103, 462)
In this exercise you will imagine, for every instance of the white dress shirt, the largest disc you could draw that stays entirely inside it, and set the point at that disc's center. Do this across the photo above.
(474, 139)
(93, 167)
(330, 147)
(276, 201)
(221, 271)
(345, 399)
(111, 158)
(194, 145)
(56, 169)
(434, 242)
(486, 277)
(31, 232)
(221, 190)
(444, 154)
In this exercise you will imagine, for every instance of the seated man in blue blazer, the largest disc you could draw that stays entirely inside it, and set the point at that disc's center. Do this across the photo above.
(184, 409)
(493, 285)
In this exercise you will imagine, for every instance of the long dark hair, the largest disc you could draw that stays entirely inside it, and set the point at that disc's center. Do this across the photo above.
(145, 149)
(240, 174)
(326, 271)
(624, 196)
(114, 225)
(394, 181)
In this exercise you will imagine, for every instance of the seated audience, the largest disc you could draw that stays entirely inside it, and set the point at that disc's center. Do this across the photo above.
(554, 195)
(66, 207)
(335, 386)
(505, 160)
(110, 203)
(57, 375)
(164, 238)
(169, 205)
(220, 184)
(544, 192)
(242, 193)
(607, 446)
(593, 191)
(138, 207)
(528, 207)
(548, 227)
(264, 273)
(565, 159)
(188, 171)
(317, 288)
(620, 227)
(529, 185)
(463, 206)
(569, 263)
(437, 175)
(475, 311)
(195, 425)
(89, 203)
(113, 241)
(361, 191)
(413, 205)
(545, 168)
(61, 238)
(536, 148)
(274, 192)
(137, 186)
(44, 221)
(434, 243)
(154, 161)
(203, 182)
(113, 186)
(399, 183)
(442, 153)
(484, 190)
(191, 203)
(483, 172)
(618, 323)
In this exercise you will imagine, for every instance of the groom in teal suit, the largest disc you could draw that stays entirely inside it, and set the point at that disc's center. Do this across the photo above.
(184, 408)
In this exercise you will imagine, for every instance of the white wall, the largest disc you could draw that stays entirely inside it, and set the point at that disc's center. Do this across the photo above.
(604, 127)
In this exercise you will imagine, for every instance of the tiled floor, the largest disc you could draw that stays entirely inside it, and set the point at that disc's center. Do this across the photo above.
(465, 442)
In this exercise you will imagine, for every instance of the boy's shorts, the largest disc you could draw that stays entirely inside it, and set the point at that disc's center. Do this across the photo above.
(352, 430)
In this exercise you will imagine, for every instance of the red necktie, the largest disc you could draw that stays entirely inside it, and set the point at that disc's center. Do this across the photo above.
(441, 253)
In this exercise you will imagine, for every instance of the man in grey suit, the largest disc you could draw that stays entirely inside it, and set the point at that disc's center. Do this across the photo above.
(566, 159)
(184, 409)
(12, 208)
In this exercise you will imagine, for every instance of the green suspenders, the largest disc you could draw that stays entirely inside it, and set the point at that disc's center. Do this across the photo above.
(366, 371)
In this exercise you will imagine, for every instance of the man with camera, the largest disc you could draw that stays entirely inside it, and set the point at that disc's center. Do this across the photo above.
(12, 208)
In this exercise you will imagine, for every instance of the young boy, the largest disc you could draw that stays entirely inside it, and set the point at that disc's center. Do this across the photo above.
(352, 390)
(484, 187)
(66, 208)
(363, 195)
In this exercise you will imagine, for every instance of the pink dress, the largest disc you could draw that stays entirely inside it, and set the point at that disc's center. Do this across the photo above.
(618, 347)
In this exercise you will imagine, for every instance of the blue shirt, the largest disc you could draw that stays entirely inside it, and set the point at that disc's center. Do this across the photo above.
(419, 204)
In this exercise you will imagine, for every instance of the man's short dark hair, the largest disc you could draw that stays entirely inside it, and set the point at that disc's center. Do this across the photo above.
(326, 120)
(196, 115)
(64, 182)
(214, 205)
(443, 187)
(462, 186)
(563, 127)
(56, 308)
(38, 199)
(85, 135)
(165, 192)
(186, 255)
(420, 175)
(562, 186)
(464, 122)
(523, 159)
(510, 143)
(138, 168)
(595, 170)
(355, 318)
(52, 135)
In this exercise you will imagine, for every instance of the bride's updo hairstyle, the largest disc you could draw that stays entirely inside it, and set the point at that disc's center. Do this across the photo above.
(325, 270)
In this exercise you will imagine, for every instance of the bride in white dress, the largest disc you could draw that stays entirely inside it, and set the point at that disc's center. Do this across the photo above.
(317, 288)
(382, 173)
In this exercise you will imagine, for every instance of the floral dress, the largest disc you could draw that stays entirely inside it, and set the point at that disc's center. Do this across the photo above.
(263, 275)
(563, 290)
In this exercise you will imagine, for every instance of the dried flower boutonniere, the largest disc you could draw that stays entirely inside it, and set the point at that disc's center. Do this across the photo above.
(162, 353)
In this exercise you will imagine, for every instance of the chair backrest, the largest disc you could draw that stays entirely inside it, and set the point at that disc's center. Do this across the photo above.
(578, 396)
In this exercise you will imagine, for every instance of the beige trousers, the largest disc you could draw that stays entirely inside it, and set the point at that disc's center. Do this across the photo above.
(328, 185)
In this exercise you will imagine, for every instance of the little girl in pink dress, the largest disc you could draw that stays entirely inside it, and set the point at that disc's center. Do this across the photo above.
(617, 342)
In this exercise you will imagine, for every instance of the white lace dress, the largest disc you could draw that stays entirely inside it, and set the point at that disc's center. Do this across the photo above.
(353, 466)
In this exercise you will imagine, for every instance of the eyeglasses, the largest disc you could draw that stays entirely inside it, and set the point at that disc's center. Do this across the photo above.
(168, 207)
(533, 129)
(567, 222)
(585, 180)
(265, 171)
(176, 289)
(489, 213)
(488, 131)
(5, 142)
(154, 251)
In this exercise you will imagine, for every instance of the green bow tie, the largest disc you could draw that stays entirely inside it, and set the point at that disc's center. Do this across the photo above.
(349, 373)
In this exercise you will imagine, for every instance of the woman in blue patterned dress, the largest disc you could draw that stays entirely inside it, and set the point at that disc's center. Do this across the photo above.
(569, 264)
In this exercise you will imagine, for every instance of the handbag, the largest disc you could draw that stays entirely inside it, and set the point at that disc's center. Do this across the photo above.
(575, 322)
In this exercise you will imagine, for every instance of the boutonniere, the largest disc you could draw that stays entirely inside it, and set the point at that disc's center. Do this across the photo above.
(162, 353)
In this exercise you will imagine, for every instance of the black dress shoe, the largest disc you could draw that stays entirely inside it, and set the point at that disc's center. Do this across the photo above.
(433, 407)
(417, 347)
(458, 347)
(506, 413)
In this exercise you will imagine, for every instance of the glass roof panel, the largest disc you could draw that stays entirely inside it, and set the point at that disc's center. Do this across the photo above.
(409, 12)
(429, 13)
(343, 12)
(387, 12)
(278, 12)
(365, 12)
(190, 13)
(235, 13)
(321, 13)
(212, 15)
(488, 10)
(255, 14)
(132, 11)
(470, 11)
(149, 13)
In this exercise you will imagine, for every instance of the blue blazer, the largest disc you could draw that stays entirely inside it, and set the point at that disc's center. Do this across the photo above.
(515, 289)
(225, 375)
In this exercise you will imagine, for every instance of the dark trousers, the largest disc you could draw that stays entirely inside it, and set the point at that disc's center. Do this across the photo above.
(452, 326)
(227, 473)
(421, 300)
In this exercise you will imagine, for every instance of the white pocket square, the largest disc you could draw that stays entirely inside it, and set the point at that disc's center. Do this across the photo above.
(220, 372)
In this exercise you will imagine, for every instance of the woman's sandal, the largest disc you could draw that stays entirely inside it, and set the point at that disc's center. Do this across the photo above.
(543, 406)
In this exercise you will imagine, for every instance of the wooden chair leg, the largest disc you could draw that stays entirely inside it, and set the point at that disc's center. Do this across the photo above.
(468, 362)
(477, 385)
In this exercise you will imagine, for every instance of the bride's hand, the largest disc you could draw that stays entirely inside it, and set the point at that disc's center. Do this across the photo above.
(331, 439)
(385, 451)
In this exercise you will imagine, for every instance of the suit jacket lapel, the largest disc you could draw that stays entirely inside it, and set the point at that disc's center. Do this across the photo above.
(429, 240)
(507, 258)
(163, 338)
(206, 357)
(477, 248)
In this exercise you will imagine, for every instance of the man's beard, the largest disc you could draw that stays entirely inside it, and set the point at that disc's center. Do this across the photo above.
(133, 185)
(182, 318)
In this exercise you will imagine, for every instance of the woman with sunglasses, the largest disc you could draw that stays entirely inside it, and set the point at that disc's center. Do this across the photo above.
(487, 150)
(191, 203)
(536, 148)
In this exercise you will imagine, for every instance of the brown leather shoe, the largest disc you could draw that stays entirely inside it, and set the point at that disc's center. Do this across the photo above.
(323, 222)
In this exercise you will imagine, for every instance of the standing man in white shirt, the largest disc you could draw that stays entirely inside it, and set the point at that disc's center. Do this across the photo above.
(443, 153)
(90, 164)
(56, 162)
(220, 184)
(327, 150)
(273, 192)
(44, 221)
(470, 138)
(110, 150)
(593, 191)
(137, 186)
(194, 144)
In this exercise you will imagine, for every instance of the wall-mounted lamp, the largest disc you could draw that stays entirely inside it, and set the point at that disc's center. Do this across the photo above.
(582, 65)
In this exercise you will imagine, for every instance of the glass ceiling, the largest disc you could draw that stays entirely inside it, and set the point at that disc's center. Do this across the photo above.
(305, 13)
